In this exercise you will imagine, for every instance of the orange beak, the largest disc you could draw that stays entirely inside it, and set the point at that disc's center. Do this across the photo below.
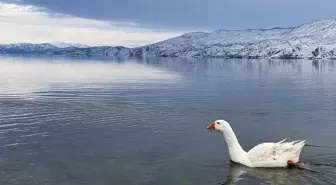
(211, 126)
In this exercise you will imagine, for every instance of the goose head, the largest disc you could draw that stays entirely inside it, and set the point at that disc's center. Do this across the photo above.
(220, 125)
(237, 154)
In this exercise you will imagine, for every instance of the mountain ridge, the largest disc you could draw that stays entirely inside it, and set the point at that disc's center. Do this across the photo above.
(313, 40)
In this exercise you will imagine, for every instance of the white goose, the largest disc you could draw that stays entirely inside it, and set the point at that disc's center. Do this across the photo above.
(281, 154)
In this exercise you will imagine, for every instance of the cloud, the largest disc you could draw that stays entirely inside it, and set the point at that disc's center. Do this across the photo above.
(141, 22)
(27, 23)
(197, 15)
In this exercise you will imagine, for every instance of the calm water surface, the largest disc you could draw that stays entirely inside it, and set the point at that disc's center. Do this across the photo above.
(103, 122)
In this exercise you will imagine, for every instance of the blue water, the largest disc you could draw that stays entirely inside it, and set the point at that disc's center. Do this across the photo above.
(94, 121)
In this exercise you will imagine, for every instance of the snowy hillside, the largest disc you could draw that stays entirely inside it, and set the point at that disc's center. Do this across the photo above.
(28, 46)
(68, 45)
(312, 40)
(64, 50)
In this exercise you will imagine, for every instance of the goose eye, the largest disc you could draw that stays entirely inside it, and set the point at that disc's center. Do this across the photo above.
(217, 123)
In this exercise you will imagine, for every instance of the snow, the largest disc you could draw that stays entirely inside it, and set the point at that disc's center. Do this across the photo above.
(314, 40)
(67, 45)
(311, 40)
(27, 47)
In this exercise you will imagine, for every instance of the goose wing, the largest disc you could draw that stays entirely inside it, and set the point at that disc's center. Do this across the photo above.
(272, 151)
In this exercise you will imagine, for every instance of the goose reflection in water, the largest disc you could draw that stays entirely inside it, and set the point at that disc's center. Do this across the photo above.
(284, 176)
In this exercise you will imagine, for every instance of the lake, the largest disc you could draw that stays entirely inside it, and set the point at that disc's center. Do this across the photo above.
(106, 121)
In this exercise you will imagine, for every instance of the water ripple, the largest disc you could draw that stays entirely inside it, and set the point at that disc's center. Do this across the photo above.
(116, 125)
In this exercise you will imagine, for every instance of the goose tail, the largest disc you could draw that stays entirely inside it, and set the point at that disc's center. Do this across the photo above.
(299, 145)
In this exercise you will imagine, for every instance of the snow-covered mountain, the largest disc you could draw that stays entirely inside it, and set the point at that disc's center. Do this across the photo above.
(118, 51)
(50, 49)
(25, 48)
(312, 40)
(68, 45)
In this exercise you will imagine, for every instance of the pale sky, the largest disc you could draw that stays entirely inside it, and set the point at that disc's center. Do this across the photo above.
(26, 23)
(141, 22)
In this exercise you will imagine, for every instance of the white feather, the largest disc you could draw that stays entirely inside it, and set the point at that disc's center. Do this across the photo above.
(275, 154)
(263, 155)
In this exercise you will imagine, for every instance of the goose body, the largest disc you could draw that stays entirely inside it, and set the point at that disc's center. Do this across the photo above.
(269, 155)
